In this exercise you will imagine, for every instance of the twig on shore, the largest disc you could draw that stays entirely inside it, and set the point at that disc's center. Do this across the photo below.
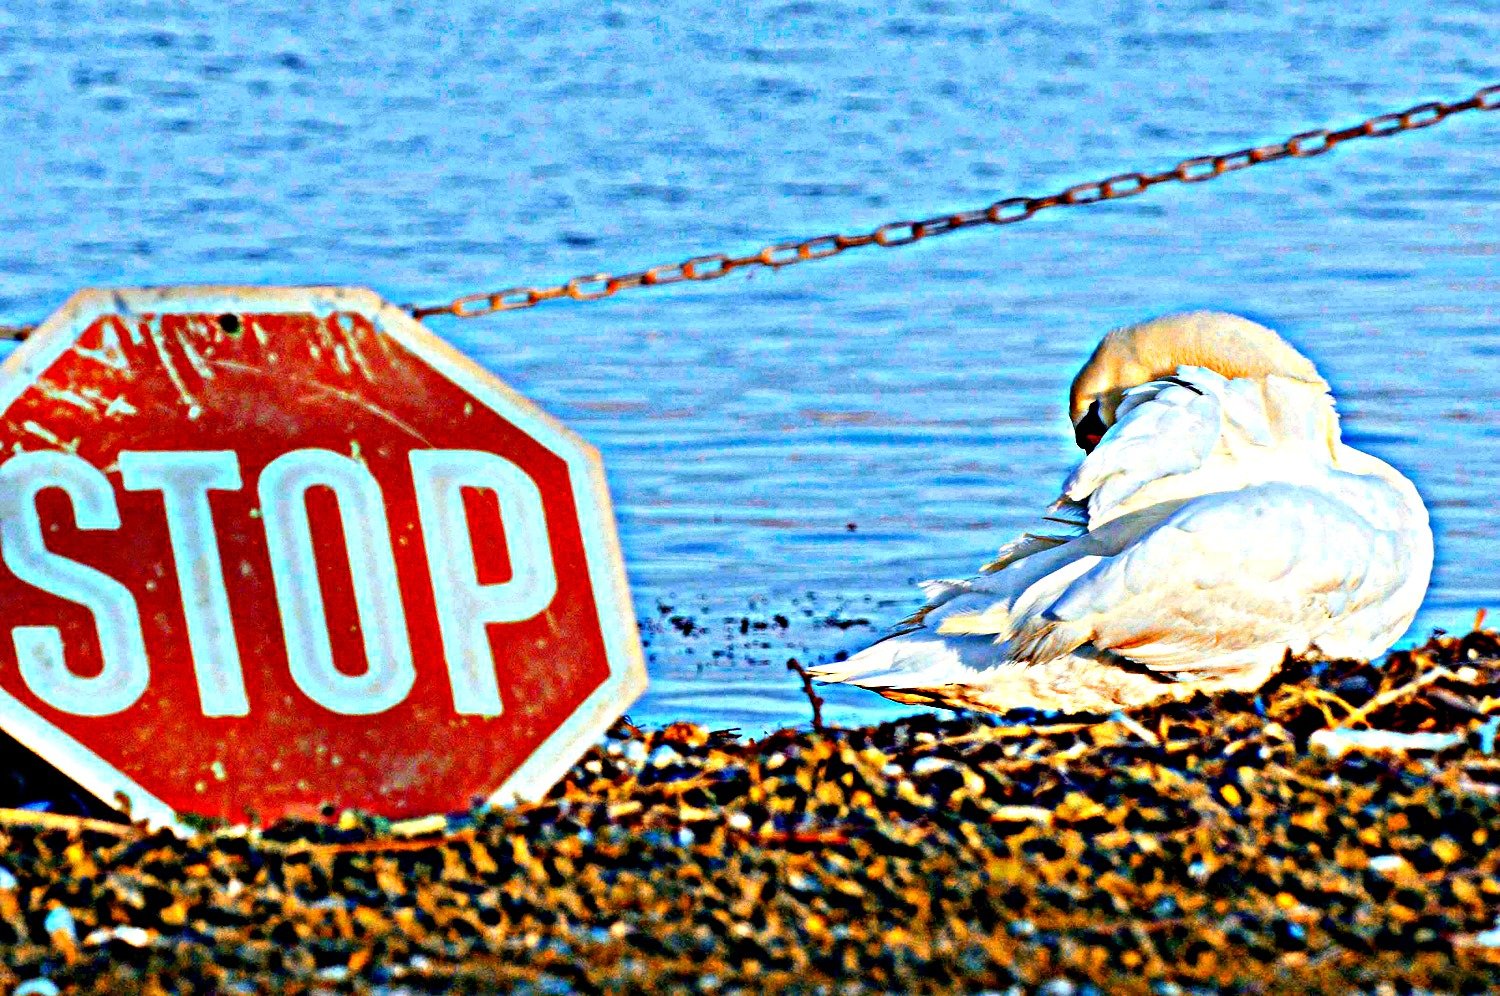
(61, 821)
(1457, 702)
(1136, 728)
(813, 698)
(1394, 695)
(1316, 697)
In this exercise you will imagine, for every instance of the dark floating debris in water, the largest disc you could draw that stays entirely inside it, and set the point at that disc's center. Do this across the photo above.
(1337, 830)
(756, 636)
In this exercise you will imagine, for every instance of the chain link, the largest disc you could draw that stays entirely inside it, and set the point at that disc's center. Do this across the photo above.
(1005, 212)
(594, 286)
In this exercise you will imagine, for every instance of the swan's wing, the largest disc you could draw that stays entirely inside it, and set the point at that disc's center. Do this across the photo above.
(942, 593)
(1068, 522)
(1162, 429)
(959, 638)
(1226, 575)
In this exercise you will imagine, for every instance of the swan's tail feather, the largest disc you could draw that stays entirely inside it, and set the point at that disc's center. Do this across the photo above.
(1022, 547)
(903, 660)
(914, 659)
(941, 589)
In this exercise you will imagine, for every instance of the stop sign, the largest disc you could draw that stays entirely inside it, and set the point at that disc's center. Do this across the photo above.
(268, 550)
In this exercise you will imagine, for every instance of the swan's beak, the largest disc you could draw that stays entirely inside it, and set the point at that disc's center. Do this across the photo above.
(1090, 429)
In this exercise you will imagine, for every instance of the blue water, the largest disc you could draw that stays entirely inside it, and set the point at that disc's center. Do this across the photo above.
(917, 394)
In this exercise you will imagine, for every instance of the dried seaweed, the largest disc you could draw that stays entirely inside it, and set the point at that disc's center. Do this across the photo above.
(1244, 843)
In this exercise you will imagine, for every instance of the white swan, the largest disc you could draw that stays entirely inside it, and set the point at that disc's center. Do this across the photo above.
(1216, 523)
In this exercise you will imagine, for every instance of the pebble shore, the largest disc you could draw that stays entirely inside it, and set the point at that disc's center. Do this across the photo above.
(1335, 832)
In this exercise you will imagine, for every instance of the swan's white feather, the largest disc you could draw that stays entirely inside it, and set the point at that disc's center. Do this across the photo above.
(1164, 430)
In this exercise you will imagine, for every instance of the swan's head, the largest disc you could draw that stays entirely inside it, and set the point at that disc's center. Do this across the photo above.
(1138, 354)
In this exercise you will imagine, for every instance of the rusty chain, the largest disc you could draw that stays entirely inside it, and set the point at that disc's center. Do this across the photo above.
(594, 286)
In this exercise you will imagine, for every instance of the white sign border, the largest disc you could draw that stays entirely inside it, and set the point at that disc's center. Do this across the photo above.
(617, 622)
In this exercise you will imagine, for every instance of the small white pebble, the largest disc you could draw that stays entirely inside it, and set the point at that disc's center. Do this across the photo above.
(36, 987)
(136, 937)
(927, 765)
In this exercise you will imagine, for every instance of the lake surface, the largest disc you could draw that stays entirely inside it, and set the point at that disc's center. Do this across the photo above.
(789, 451)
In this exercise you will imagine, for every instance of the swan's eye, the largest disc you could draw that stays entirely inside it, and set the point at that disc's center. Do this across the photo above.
(1090, 429)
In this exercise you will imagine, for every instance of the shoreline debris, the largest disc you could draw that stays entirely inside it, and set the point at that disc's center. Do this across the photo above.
(1207, 845)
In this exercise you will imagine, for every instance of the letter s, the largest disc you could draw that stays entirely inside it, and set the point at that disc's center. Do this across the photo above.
(39, 649)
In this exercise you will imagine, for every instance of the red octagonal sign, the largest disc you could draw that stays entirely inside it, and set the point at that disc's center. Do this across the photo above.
(267, 550)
